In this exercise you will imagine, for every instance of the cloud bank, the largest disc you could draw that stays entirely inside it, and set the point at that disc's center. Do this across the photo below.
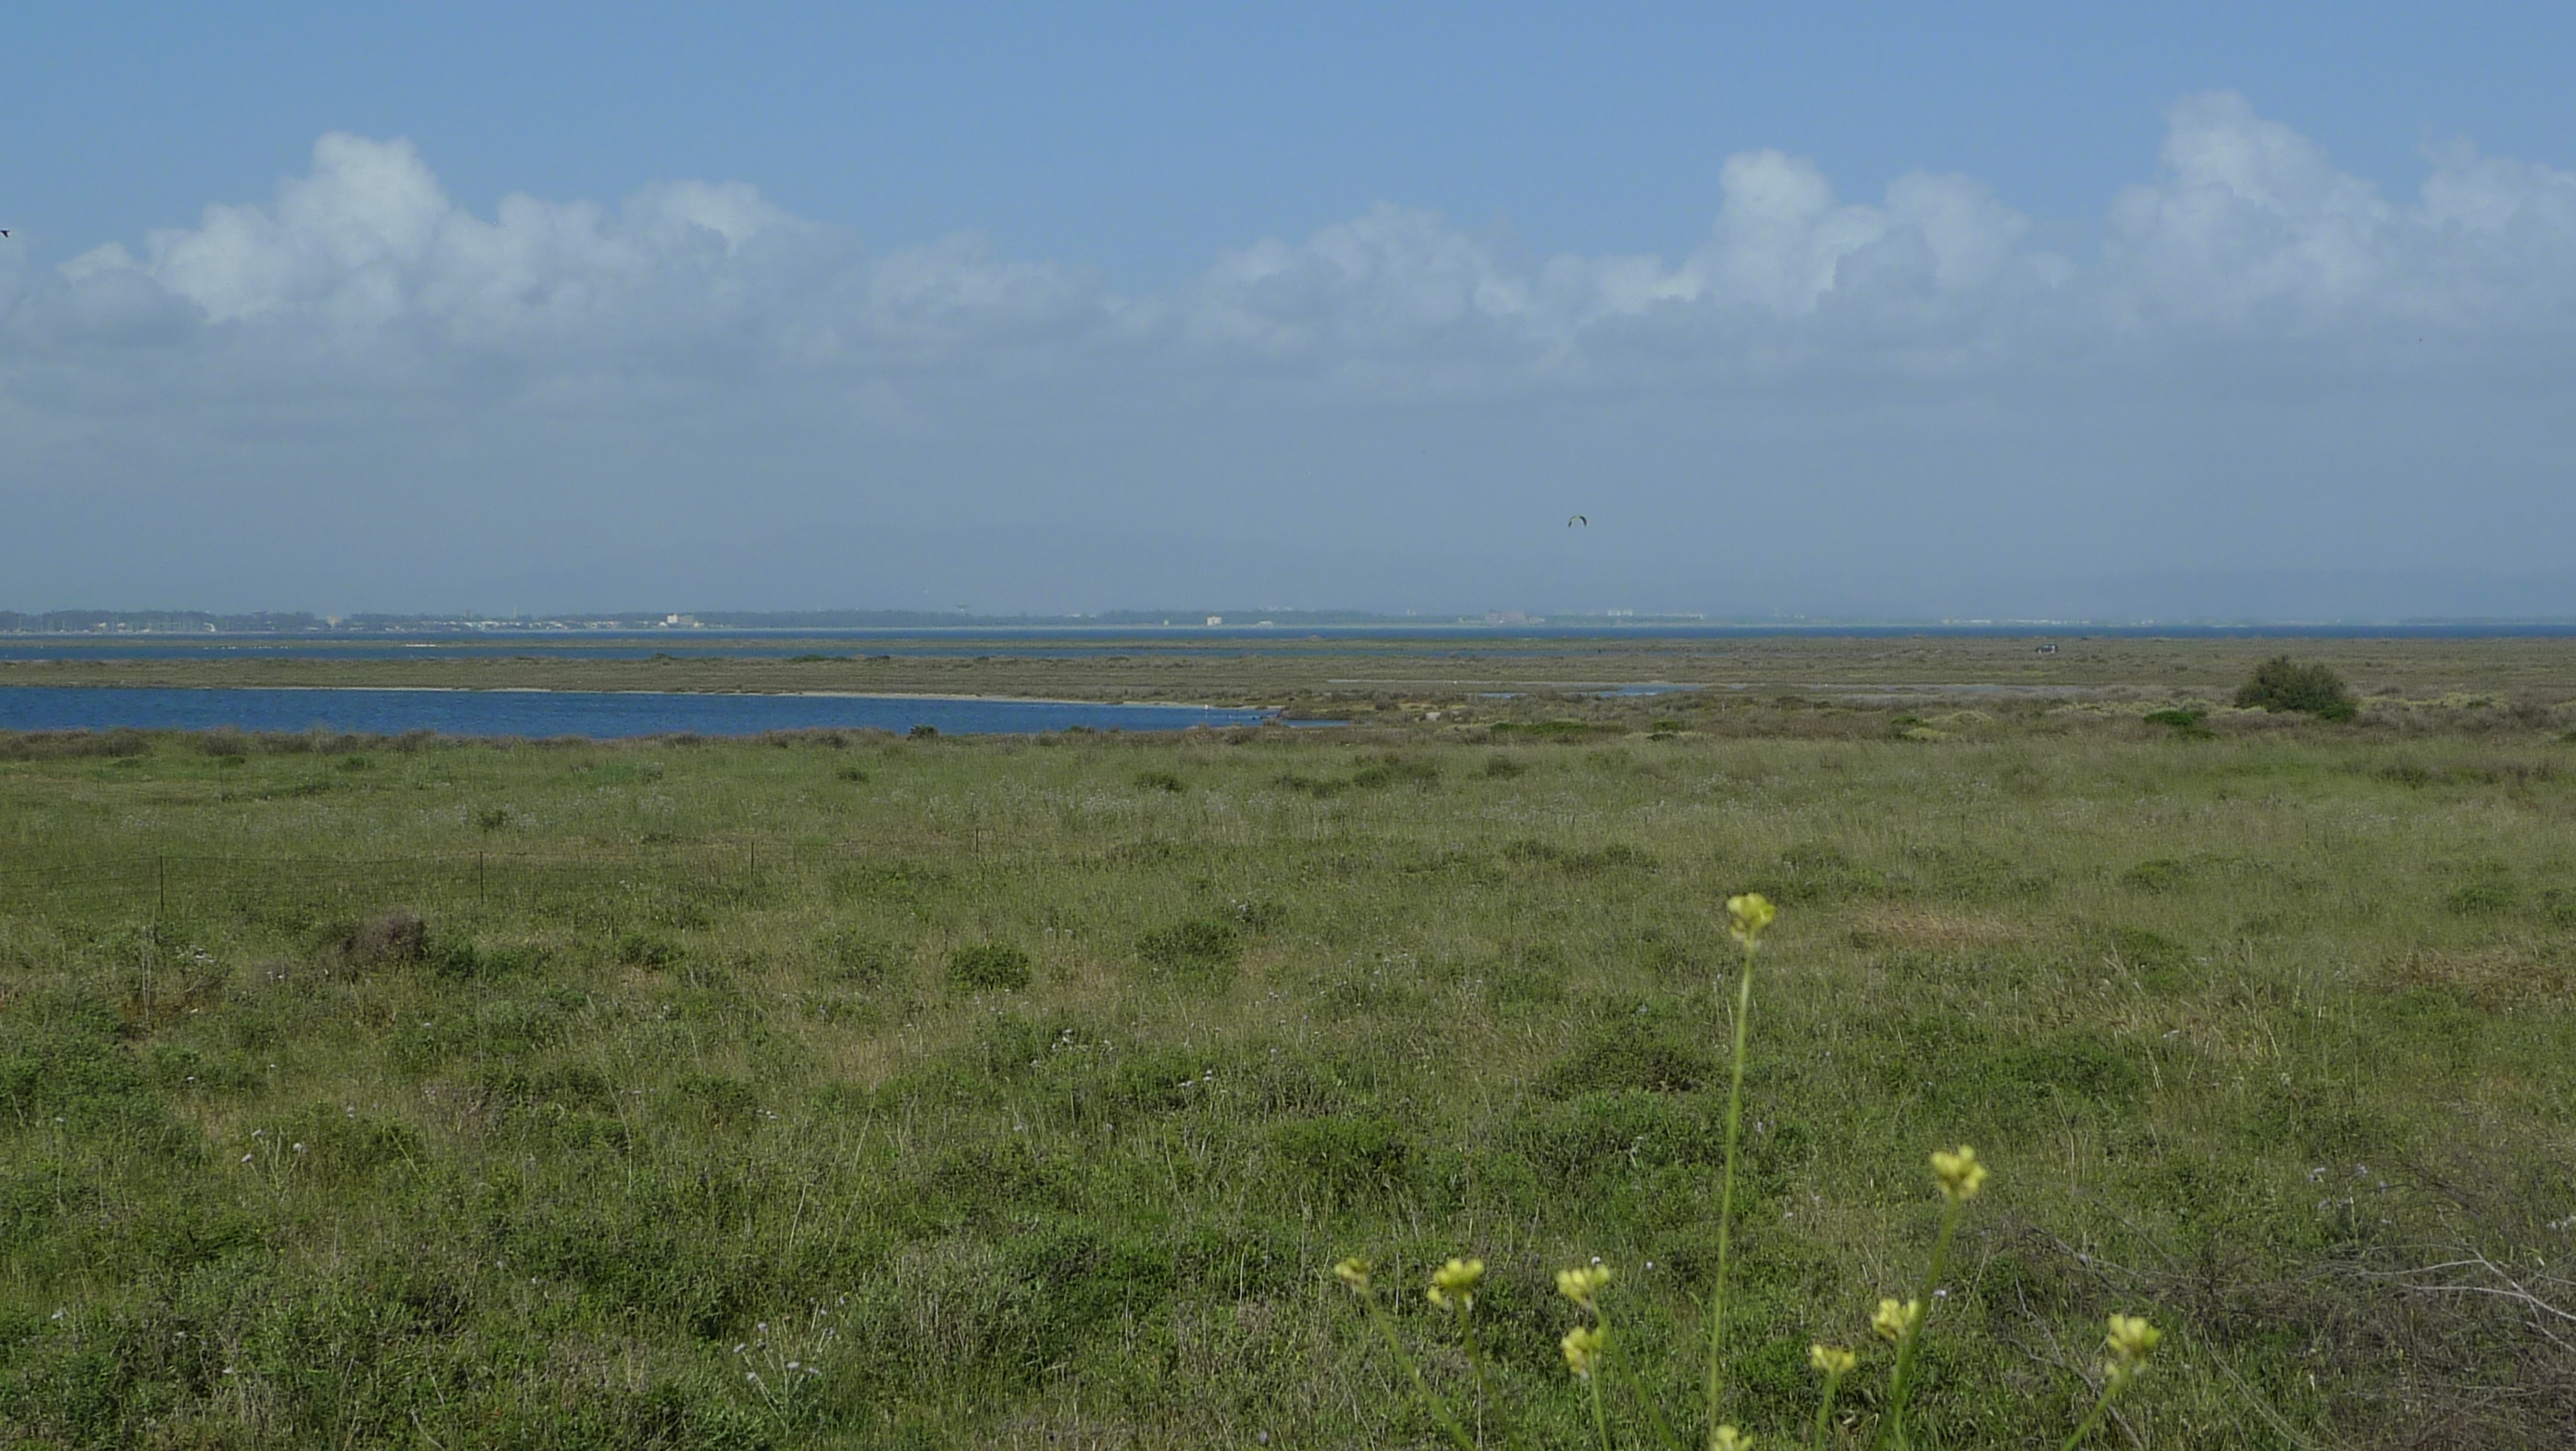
(1917, 400)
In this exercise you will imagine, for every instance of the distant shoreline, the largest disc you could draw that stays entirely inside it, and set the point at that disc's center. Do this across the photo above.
(677, 694)
(1549, 628)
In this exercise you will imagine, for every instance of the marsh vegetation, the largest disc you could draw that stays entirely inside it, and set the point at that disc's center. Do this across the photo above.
(881, 1092)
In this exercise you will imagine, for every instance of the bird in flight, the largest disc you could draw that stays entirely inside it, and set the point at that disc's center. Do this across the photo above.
(1578, 519)
(4, 231)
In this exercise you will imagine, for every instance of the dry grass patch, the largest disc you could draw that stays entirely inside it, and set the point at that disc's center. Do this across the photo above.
(2495, 978)
(1936, 929)
(869, 1062)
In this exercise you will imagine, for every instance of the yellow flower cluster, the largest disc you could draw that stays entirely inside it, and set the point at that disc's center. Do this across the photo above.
(2130, 1342)
(1896, 1319)
(1583, 1346)
(1354, 1272)
(1747, 915)
(1831, 1360)
(1456, 1282)
(1730, 1439)
(1580, 1285)
(1960, 1174)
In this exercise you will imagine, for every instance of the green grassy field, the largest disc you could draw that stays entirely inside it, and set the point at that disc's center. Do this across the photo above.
(857, 1092)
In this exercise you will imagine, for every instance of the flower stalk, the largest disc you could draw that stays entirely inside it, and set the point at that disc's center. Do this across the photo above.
(1833, 1363)
(1961, 1178)
(1355, 1273)
(2130, 1341)
(1747, 915)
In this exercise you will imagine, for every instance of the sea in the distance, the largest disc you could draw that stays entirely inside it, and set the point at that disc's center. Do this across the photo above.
(600, 714)
(1075, 642)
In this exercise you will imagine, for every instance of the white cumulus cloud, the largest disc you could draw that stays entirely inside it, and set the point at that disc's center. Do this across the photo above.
(1892, 379)
(2247, 223)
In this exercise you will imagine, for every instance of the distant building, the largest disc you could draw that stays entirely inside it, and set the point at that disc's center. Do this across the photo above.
(1216, 619)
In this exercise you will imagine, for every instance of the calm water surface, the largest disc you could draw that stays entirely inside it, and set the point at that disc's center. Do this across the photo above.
(1086, 641)
(597, 713)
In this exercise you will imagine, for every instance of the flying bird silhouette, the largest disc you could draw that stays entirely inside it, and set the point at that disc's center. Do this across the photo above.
(1578, 519)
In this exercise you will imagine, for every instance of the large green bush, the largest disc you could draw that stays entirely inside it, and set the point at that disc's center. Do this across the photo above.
(2281, 683)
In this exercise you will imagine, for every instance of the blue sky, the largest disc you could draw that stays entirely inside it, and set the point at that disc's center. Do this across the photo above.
(2021, 310)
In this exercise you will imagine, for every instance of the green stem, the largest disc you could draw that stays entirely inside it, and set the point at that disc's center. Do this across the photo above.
(1663, 1429)
(1475, 1364)
(1901, 1382)
(1726, 1197)
(1439, 1409)
(1825, 1410)
(1600, 1417)
(2101, 1408)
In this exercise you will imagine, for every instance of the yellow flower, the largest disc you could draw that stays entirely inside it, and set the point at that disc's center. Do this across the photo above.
(1580, 1285)
(2132, 1337)
(1831, 1360)
(2130, 1341)
(1960, 1174)
(1583, 1346)
(1747, 915)
(1354, 1272)
(1730, 1439)
(1457, 1278)
(1896, 1319)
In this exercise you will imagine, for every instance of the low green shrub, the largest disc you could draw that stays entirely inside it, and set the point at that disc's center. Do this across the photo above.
(856, 959)
(2188, 724)
(645, 949)
(1201, 950)
(989, 966)
(2283, 684)
(1391, 770)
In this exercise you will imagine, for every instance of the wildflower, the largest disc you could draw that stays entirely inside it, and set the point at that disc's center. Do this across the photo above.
(1581, 1284)
(1831, 1360)
(1896, 1319)
(1960, 1174)
(1354, 1272)
(1747, 915)
(2130, 1341)
(1457, 1279)
(1583, 1346)
(1730, 1439)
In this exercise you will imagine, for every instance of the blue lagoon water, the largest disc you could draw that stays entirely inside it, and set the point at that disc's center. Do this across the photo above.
(595, 713)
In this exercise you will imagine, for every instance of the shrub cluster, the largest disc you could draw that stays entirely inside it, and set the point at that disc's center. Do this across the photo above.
(989, 966)
(2281, 683)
